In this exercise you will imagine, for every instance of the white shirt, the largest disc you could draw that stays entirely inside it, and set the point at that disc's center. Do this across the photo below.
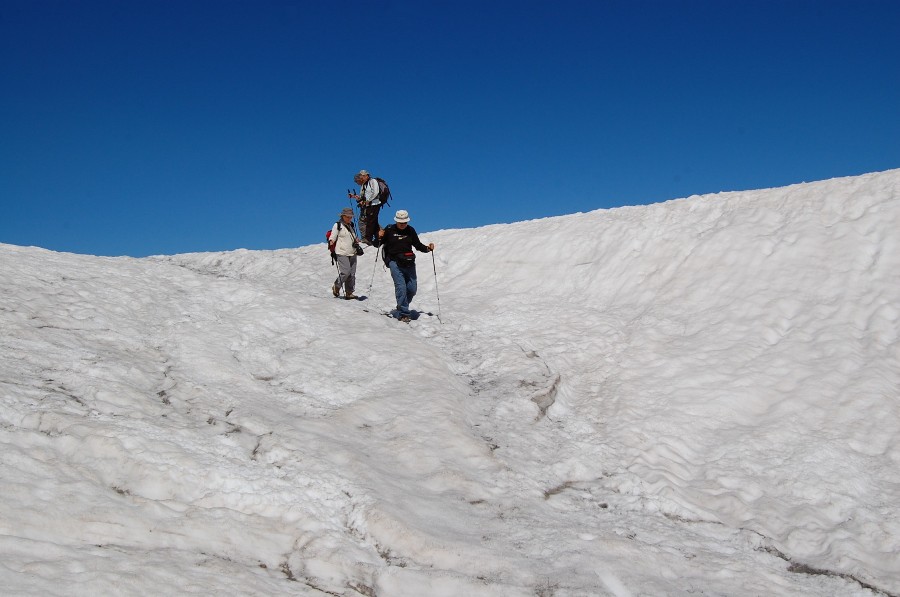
(369, 191)
(345, 239)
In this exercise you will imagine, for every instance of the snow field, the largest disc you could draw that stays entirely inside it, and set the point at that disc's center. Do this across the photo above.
(695, 396)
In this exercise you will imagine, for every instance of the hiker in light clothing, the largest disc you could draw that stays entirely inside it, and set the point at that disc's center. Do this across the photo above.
(369, 205)
(343, 244)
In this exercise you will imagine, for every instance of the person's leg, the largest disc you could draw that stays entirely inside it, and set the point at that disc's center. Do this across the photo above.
(411, 283)
(362, 224)
(350, 279)
(373, 218)
(343, 263)
(400, 288)
(372, 225)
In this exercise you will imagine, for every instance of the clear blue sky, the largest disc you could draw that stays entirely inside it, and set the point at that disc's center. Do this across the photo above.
(140, 127)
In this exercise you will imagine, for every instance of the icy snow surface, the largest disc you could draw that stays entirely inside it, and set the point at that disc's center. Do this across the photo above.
(695, 397)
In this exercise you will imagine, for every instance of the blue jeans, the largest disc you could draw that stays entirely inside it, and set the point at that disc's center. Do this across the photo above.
(404, 285)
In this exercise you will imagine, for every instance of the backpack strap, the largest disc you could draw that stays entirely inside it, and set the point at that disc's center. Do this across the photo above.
(384, 254)
(350, 229)
(340, 225)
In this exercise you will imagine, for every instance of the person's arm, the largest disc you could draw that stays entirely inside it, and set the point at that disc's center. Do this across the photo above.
(360, 198)
(332, 240)
(370, 191)
(379, 238)
(414, 237)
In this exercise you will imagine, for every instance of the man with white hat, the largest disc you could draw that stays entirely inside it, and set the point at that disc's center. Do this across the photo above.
(398, 241)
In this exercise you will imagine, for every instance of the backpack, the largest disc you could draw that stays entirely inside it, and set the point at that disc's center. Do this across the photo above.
(328, 245)
(384, 191)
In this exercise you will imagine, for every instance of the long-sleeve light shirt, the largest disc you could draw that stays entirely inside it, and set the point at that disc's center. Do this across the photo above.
(369, 192)
(343, 240)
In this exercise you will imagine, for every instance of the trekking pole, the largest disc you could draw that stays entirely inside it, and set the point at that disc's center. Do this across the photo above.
(353, 206)
(340, 281)
(374, 267)
(436, 287)
(356, 206)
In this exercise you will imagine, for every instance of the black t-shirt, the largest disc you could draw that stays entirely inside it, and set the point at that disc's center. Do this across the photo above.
(398, 244)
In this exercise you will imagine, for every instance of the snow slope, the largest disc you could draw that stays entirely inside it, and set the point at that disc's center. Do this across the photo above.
(694, 397)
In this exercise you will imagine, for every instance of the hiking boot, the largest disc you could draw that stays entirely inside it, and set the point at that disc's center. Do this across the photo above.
(350, 296)
(336, 290)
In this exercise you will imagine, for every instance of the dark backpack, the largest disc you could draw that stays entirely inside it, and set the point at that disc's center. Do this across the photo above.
(384, 191)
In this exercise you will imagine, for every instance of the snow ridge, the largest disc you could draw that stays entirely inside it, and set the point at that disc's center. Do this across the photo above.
(694, 396)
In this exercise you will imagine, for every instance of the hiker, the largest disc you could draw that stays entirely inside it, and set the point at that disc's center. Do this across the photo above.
(398, 241)
(369, 205)
(344, 248)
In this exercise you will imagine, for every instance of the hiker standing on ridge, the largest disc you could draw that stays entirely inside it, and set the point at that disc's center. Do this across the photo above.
(343, 244)
(369, 205)
(398, 241)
